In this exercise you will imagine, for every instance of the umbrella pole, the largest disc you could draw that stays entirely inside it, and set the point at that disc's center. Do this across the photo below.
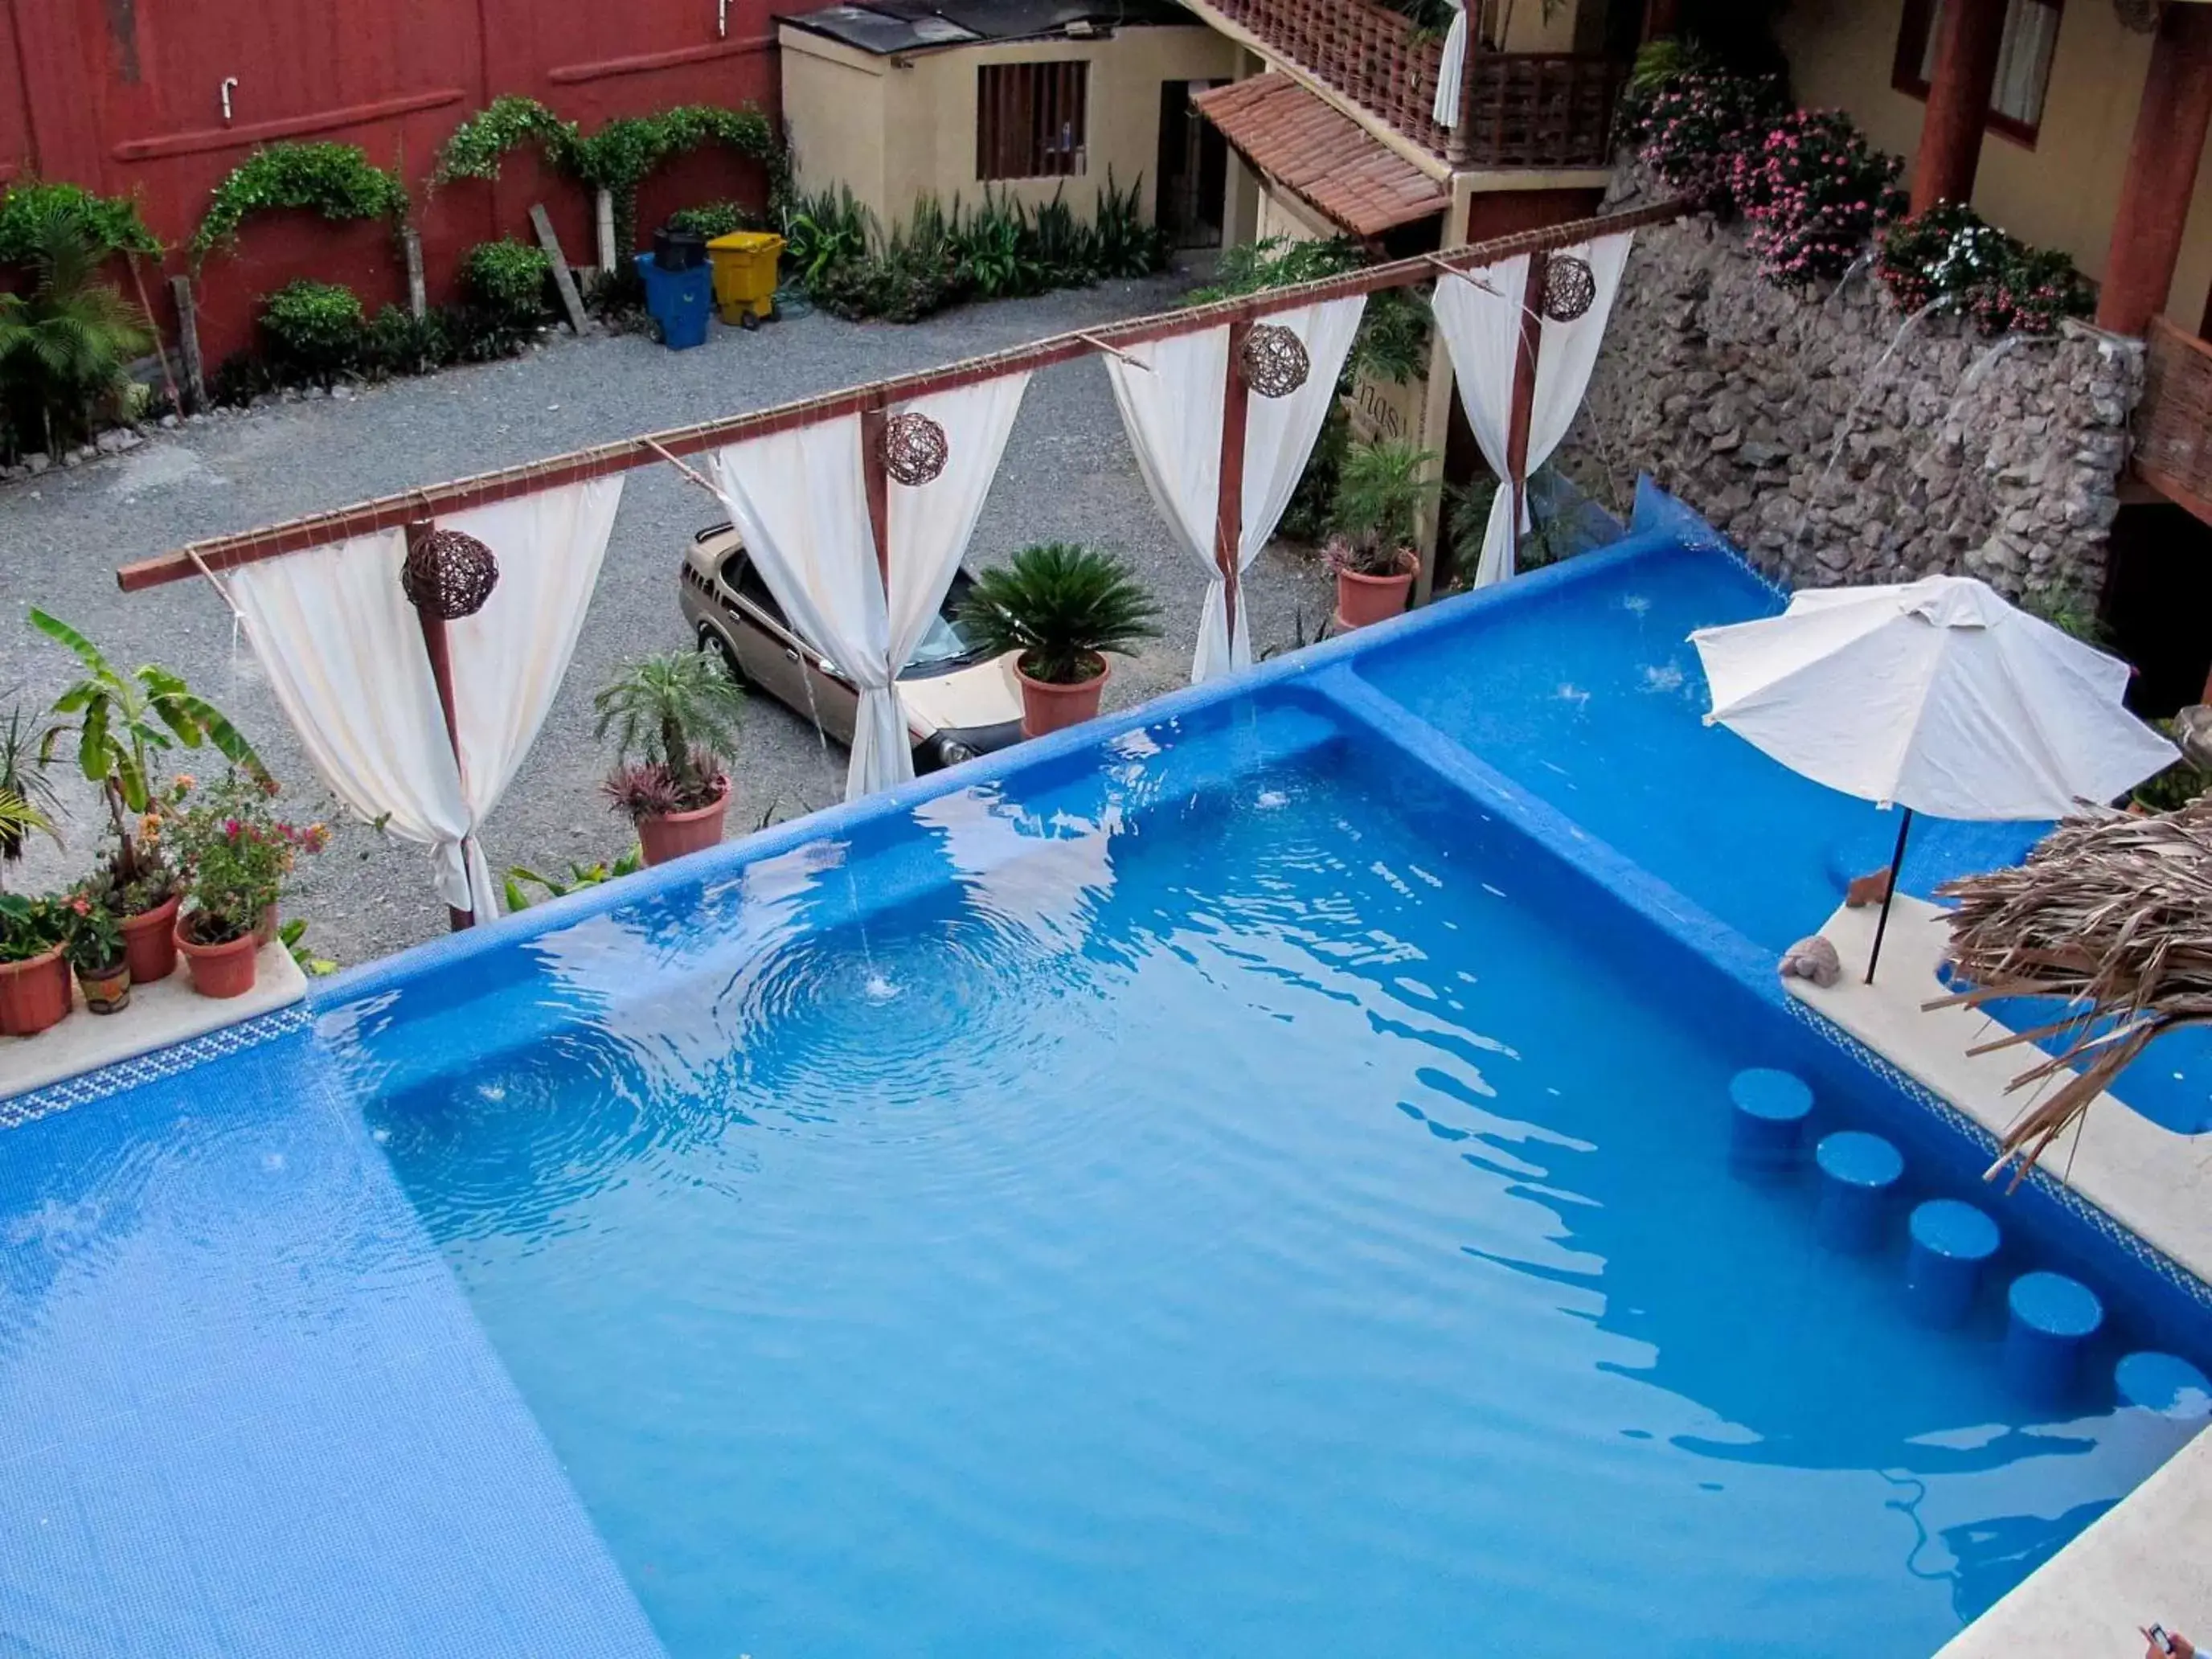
(1896, 863)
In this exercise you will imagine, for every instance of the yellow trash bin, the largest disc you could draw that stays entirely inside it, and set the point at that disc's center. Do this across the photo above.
(744, 274)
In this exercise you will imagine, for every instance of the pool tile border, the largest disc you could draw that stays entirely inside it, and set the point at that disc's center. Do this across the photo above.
(85, 1087)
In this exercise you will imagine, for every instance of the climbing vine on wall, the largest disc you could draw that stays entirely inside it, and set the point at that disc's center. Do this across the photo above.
(336, 180)
(478, 144)
(621, 156)
(109, 224)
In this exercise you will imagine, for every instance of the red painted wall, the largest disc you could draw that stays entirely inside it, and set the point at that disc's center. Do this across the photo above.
(123, 96)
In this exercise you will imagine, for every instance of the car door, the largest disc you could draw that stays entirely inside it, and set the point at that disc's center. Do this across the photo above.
(774, 657)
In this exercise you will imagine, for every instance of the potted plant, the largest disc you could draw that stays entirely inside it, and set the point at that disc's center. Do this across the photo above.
(35, 977)
(1380, 493)
(121, 725)
(28, 805)
(237, 856)
(674, 717)
(1062, 608)
(92, 940)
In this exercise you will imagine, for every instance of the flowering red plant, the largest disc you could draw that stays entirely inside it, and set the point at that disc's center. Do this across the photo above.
(1815, 191)
(237, 855)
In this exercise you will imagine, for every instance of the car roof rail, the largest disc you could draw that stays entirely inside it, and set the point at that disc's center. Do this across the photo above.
(713, 530)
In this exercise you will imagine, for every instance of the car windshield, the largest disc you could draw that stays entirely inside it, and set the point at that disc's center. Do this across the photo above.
(941, 647)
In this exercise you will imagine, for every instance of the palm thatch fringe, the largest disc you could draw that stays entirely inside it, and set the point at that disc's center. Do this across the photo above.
(2112, 913)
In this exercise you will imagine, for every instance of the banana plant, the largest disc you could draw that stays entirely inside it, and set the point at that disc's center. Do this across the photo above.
(122, 722)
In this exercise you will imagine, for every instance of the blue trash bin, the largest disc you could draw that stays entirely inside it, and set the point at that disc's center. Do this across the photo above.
(681, 302)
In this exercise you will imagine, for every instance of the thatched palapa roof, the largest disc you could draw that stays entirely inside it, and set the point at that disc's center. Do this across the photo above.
(2111, 911)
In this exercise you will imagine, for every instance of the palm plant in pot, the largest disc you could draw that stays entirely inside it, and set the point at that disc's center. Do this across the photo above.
(237, 857)
(1381, 491)
(1063, 607)
(673, 717)
(121, 724)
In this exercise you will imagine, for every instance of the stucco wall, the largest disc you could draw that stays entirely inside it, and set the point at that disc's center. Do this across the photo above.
(896, 129)
(1835, 449)
(2061, 193)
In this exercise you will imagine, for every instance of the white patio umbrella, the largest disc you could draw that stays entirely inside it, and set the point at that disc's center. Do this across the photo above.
(1935, 695)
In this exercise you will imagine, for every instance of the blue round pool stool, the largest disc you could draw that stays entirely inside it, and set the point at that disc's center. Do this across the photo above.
(2165, 1383)
(1768, 1114)
(1858, 1173)
(2052, 1316)
(1951, 1242)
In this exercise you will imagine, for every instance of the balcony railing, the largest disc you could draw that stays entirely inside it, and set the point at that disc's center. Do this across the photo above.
(2173, 422)
(1517, 109)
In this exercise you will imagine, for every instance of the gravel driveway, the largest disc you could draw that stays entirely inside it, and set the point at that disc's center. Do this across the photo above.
(1068, 476)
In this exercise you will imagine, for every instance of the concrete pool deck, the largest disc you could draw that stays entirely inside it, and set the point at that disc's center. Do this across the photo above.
(160, 1014)
(2156, 1183)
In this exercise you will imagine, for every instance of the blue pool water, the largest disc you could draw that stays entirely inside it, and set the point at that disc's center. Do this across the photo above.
(1218, 1202)
(1254, 1182)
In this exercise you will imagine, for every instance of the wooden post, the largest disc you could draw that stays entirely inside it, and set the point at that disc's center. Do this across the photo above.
(1524, 393)
(436, 647)
(161, 351)
(418, 292)
(571, 301)
(2153, 208)
(603, 222)
(872, 423)
(1972, 33)
(1229, 512)
(188, 341)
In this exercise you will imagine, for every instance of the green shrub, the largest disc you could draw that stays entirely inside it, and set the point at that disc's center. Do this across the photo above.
(65, 345)
(108, 224)
(1393, 342)
(315, 329)
(713, 219)
(475, 150)
(396, 342)
(509, 280)
(336, 180)
(1123, 243)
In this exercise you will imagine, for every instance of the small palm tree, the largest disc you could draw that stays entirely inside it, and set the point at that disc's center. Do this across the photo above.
(1380, 492)
(28, 805)
(1062, 607)
(122, 722)
(64, 345)
(679, 711)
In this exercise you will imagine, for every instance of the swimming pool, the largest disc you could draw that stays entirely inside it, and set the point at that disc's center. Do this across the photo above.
(1254, 1179)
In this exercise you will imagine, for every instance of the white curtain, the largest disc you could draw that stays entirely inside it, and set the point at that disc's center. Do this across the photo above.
(1169, 392)
(1449, 67)
(508, 660)
(1172, 412)
(343, 649)
(1482, 330)
(929, 524)
(1479, 316)
(343, 653)
(799, 501)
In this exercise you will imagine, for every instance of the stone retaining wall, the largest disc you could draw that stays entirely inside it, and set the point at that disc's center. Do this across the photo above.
(1998, 460)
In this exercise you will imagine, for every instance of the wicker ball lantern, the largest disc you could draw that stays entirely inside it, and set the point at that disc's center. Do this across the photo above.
(448, 575)
(1273, 361)
(1570, 287)
(915, 448)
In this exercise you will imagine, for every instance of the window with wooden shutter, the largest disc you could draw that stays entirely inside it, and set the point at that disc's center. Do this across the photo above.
(1029, 119)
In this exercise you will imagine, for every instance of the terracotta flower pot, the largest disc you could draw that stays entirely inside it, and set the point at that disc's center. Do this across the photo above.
(1361, 600)
(672, 837)
(1048, 707)
(106, 990)
(149, 942)
(228, 969)
(34, 994)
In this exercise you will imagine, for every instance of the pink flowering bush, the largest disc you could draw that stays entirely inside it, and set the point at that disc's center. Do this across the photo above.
(1690, 127)
(1950, 256)
(1815, 191)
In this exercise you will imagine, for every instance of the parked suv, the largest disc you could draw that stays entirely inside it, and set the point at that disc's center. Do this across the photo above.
(959, 702)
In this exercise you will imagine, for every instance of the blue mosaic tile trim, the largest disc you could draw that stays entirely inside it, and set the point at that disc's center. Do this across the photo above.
(88, 1086)
(2133, 1244)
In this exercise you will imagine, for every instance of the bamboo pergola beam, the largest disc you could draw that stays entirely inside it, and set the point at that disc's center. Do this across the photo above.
(396, 511)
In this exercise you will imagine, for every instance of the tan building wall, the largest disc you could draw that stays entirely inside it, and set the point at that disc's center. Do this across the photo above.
(2061, 192)
(895, 129)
